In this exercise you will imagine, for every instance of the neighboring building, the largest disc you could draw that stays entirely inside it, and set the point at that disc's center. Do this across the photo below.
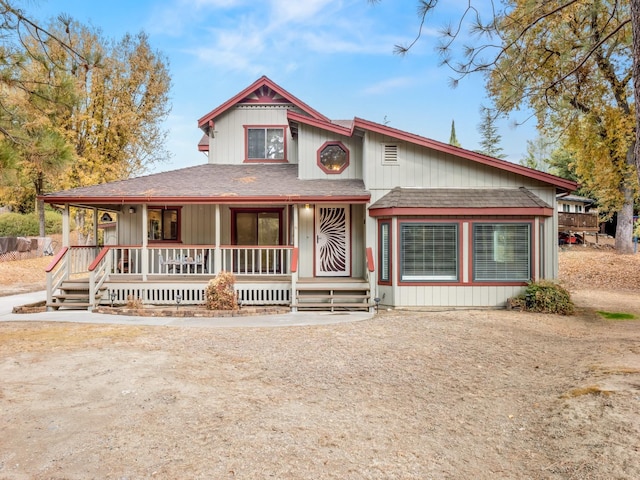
(315, 213)
(576, 215)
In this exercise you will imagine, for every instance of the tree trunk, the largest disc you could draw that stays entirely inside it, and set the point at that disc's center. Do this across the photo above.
(41, 222)
(635, 55)
(624, 226)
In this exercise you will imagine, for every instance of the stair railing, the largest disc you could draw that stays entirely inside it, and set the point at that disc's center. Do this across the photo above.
(57, 272)
(98, 272)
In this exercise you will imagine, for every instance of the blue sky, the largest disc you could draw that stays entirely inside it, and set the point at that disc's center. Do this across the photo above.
(335, 55)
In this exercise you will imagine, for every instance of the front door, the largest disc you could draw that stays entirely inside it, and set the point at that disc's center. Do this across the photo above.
(333, 245)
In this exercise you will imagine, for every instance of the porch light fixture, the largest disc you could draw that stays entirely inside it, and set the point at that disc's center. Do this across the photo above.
(306, 206)
(132, 210)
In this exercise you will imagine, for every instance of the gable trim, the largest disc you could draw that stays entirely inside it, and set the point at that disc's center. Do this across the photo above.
(207, 121)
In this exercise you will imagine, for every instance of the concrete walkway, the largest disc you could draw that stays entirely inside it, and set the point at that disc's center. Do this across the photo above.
(81, 316)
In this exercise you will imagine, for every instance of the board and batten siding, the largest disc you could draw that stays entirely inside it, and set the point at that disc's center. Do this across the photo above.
(421, 167)
(197, 227)
(307, 245)
(311, 139)
(227, 141)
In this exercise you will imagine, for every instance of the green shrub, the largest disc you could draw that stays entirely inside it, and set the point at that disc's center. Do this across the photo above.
(545, 297)
(220, 294)
(18, 225)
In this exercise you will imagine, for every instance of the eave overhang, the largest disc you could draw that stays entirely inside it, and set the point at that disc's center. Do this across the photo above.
(436, 212)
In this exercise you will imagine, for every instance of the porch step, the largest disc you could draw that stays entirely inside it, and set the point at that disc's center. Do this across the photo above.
(333, 298)
(74, 296)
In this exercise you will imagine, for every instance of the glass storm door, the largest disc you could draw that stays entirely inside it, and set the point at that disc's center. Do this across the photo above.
(333, 244)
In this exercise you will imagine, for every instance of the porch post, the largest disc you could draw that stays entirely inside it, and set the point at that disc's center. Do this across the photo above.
(217, 253)
(95, 226)
(294, 275)
(145, 242)
(66, 226)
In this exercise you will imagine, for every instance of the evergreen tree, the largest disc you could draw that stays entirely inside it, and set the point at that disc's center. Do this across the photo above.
(453, 140)
(490, 142)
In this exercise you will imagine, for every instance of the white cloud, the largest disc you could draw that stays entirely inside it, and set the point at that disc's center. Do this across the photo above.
(389, 84)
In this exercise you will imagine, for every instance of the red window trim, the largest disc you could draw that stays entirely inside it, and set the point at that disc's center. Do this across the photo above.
(325, 169)
(264, 160)
(235, 211)
(386, 221)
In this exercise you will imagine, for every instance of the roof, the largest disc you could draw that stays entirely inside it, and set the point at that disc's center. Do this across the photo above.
(212, 183)
(452, 201)
(358, 125)
(576, 199)
(262, 91)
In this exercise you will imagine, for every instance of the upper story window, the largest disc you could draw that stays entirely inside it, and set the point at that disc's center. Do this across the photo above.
(333, 157)
(164, 224)
(265, 144)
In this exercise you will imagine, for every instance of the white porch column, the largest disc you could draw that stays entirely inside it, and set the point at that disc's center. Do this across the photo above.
(95, 226)
(217, 253)
(145, 242)
(66, 226)
(294, 275)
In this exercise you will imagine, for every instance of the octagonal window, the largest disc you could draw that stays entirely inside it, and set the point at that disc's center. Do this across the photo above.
(333, 157)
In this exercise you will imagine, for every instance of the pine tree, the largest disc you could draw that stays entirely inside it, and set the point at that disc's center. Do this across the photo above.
(453, 140)
(490, 142)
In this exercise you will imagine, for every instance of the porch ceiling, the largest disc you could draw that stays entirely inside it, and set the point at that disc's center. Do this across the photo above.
(211, 183)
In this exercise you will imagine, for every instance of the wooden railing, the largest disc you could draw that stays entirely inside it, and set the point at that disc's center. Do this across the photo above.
(257, 260)
(199, 260)
(578, 221)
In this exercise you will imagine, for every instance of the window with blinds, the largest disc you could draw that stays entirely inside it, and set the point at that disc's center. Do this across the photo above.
(429, 252)
(384, 260)
(502, 252)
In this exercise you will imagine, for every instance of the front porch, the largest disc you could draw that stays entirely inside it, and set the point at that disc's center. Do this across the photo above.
(85, 277)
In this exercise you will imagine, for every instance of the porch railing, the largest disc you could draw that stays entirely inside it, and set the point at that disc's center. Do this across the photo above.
(256, 260)
(199, 260)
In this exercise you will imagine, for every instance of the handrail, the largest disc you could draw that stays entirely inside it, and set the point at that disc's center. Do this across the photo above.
(98, 273)
(56, 259)
(57, 272)
(98, 259)
(294, 260)
(370, 264)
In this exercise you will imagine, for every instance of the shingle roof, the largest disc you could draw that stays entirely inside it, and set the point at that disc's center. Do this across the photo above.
(466, 198)
(218, 183)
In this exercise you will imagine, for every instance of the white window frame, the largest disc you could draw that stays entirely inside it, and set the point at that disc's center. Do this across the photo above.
(502, 252)
(444, 239)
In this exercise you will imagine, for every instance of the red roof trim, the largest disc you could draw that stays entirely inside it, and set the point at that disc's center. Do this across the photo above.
(426, 211)
(232, 199)
(207, 120)
(469, 155)
(325, 125)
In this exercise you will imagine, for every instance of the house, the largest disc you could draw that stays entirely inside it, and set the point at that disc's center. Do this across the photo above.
(316, 213)
(576, 215)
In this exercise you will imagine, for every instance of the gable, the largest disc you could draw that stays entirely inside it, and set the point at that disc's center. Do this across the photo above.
(262, 91)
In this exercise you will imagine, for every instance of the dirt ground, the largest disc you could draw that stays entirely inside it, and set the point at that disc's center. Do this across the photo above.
(479, 394)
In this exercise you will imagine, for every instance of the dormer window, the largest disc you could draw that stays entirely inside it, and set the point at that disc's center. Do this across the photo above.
(333, 157)
(265, 144)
